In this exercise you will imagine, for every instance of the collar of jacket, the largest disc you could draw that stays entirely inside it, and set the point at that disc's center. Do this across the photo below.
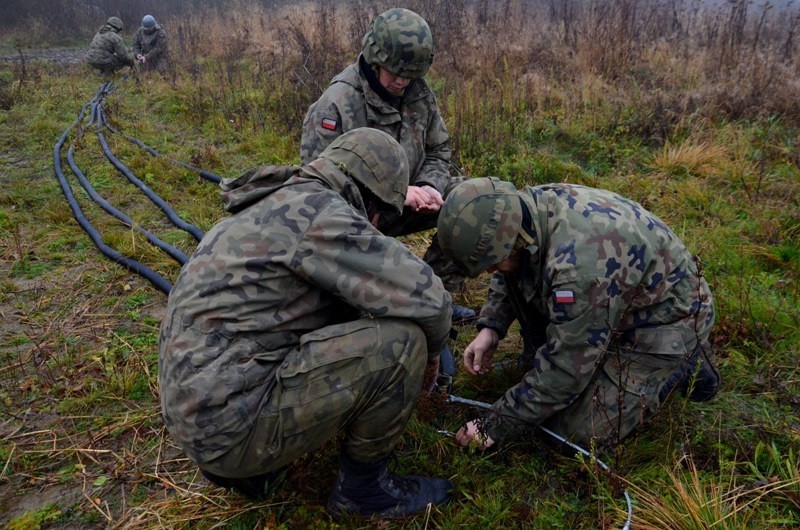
(529, 278)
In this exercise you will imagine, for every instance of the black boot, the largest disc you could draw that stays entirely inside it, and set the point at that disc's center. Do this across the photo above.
(370, 490)
(699, 377)
(251, 487)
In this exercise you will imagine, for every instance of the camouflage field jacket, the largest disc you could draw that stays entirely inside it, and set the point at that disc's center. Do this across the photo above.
(607, 280)
(152, 45)
(106, 45)
(297, 254)
(350, 103)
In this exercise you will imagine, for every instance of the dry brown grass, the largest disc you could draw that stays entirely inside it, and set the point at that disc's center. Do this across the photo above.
(689, 158)
(694, 502)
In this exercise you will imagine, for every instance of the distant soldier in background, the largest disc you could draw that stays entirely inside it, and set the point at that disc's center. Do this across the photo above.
(108, 52)
(150, 45)
(296, 319)
(614, 313)
(385, 89)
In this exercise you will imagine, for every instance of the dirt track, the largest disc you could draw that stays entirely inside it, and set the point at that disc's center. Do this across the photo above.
(56, 55)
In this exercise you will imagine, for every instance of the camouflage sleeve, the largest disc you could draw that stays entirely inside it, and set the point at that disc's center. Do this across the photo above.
(496, 313)
(160, 48)
(577, 338)
(435, 171)
(121, 51)
(326, 120)
(343, 254)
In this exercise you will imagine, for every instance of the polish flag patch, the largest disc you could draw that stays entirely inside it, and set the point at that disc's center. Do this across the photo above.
(329, 124)
(565, 297)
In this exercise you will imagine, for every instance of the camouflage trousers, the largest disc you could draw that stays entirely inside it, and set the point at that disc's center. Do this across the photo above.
(411, 222)
(361, 377)
(625, 390)
(110, 66)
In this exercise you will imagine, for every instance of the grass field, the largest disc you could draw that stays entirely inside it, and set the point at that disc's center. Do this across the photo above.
(692, 113)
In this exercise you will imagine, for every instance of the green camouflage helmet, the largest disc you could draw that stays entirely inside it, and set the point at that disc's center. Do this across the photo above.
(115, 23)
(375, 160)
(399, 41)
(479, 223)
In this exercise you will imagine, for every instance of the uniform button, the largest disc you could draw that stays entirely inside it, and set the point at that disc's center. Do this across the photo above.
(286, 364)
(674, 345)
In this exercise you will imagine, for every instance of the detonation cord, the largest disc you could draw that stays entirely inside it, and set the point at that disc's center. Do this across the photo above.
(480, 404)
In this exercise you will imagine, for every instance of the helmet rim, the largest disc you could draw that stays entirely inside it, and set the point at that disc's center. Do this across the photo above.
(399, 41)
(115, 22)
(479, 223)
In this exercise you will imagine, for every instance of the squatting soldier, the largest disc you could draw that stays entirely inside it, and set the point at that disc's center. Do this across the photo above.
(385, 89)
(150, 45)
(614, 312)
(108, 52)
(296, 319)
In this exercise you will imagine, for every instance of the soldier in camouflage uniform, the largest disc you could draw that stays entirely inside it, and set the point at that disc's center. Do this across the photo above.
(385, 89)
(296, 319)
(608, 298)
(150, 45)
(108, 52)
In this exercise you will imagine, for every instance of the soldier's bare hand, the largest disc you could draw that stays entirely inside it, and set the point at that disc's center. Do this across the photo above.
(416, 198)
(424, 199)
(470, 433)
(435, 199)
(478, 355)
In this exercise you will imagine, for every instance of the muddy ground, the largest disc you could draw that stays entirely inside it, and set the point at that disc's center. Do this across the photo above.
(56, 55)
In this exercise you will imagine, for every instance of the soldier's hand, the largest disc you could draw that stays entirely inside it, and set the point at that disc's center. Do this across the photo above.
(435, 200)
(478, 355)
(470, 433)
(416, 198)
(423, 199)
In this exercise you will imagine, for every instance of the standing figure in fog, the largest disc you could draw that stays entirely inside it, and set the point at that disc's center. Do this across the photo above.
(150, 45)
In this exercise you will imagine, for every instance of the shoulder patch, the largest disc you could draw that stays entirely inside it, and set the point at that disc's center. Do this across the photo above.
(329, 124)
(565, 297)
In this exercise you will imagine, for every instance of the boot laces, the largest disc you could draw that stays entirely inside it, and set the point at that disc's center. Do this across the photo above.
(399, 487)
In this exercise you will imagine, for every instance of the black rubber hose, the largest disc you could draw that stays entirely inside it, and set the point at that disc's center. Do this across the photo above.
(97, 239)
(176, 254)
(161, 203)
(96, 101)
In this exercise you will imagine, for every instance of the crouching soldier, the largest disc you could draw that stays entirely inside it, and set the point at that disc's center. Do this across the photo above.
(296, 319)
(108, 52)
(614, 313)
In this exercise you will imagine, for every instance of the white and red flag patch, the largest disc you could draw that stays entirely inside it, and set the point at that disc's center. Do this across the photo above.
(565, 297)
(329, 124)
